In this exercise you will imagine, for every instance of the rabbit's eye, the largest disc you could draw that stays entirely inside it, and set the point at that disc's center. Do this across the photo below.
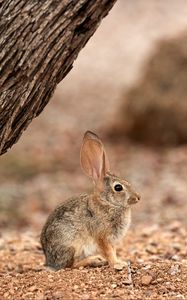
(118, 187)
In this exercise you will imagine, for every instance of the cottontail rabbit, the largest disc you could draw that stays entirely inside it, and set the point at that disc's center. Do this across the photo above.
(90, 224)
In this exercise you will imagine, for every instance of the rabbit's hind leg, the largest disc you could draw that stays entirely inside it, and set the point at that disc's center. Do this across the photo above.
(91, 261)
(61, 257)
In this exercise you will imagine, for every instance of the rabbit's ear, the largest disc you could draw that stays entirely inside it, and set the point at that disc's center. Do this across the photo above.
(106, 164)
(93, 158)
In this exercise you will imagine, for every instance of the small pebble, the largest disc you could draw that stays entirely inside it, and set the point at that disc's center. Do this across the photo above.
(32, 288)
(75, 287)
(179, 296)
(127, 282)
(146, 279)
(174, 269)
(175, 257)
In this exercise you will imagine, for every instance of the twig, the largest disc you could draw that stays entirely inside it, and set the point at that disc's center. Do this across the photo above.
(130, 273)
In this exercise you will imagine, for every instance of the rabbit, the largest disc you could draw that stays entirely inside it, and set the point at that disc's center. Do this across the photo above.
(84, 230)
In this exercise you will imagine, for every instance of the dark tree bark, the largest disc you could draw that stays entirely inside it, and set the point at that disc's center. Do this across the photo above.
(39, 40)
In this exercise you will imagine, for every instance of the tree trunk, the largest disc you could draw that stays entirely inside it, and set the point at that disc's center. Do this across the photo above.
(39, 40)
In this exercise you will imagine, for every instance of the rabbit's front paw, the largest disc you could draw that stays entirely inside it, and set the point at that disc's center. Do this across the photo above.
(119, 265)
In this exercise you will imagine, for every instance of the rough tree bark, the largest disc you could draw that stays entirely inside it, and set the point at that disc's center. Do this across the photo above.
(39, 40)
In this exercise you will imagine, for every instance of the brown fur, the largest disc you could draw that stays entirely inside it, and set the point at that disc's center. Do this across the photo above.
(85, 226)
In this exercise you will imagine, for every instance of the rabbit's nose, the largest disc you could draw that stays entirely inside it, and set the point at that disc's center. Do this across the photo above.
(134, 198)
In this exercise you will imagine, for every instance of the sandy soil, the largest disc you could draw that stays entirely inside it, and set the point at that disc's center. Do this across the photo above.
(157, 269)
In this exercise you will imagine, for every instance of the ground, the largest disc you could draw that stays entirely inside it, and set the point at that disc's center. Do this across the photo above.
(157, 269)
(43, 169)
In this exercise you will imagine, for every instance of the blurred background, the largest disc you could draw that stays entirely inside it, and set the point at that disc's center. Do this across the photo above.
(129, 85)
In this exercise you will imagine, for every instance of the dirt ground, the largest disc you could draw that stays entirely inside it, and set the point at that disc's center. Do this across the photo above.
(157, 269)
(43, 169)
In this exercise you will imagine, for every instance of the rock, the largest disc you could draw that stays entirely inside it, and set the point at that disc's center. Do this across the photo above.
(175, 257)
(6, 294)
(146, 279)
(85, 296)
(147, 267)
(127, 282)
(19, 268)
(32, 288)
(58, 295)
(40, 295)
(151, 249)
(75, 287)
(174, 270)
(160, 280)
(179, 296)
